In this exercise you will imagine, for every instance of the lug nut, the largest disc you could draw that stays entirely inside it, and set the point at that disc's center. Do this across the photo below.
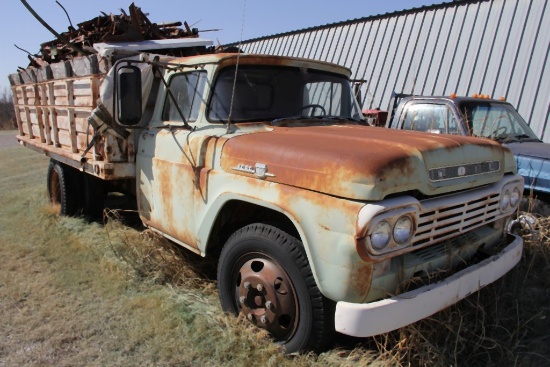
(247, 285)
(262, 319)
(268, 305)
(242, 299)
(260, 287)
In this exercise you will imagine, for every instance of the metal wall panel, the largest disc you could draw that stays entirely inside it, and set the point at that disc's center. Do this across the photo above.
(495, 47)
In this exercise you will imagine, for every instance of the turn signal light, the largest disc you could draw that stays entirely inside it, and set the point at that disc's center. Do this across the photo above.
(482, 96)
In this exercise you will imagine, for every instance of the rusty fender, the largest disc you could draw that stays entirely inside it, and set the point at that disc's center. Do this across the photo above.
(327, 228)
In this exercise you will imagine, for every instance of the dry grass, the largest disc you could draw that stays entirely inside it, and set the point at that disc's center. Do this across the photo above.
(78, 293)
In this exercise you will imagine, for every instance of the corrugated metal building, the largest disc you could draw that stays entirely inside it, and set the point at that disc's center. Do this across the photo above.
(495, 47)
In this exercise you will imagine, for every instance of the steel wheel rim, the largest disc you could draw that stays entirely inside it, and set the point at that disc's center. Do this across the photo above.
(265, 295)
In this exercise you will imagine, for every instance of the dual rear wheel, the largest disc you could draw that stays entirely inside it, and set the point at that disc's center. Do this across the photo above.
(73, 192)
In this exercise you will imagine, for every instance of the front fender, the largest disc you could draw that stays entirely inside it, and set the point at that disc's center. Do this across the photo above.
(326, 225)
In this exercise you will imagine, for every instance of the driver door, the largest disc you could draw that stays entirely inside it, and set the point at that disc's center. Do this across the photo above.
(168, 161)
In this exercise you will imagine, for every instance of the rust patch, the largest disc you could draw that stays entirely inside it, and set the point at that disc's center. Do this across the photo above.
(361, 278)
(361, 248)
(174, 216)
(357, 162)
(328, 159)
(162, 173)
(401, 165)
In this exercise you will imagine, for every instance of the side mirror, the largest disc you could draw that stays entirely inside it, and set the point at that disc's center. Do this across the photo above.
(128, 95)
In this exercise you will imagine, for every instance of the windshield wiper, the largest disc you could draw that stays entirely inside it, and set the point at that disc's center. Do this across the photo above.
(341, 118)
(526, 137)
(297, 117)
(502, 138)
(316, 118)
(171, 127)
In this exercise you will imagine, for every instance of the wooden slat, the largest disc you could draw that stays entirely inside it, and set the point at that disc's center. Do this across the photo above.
(55, 128)
(38, 113)
(27, 113)
(14, 93)
(72, 127)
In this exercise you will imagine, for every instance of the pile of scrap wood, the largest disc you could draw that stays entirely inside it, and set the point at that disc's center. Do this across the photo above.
(126, 27)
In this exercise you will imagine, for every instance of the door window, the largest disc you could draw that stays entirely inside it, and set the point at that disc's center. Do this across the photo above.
(187, 90)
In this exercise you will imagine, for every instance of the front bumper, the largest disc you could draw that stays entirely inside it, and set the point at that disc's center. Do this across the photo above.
(369, 319)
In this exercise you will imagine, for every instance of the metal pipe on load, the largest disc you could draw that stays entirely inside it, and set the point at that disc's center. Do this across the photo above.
(59, 36)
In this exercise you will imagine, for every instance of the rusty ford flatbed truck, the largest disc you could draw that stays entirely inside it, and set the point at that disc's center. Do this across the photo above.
(320, 221)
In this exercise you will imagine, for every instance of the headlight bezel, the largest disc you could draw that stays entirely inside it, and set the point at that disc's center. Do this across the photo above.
(392, 218)
(517, 194)
(505, 200)
(510, 197)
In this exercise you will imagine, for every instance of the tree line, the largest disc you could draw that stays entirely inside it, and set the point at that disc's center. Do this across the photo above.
(7, 113)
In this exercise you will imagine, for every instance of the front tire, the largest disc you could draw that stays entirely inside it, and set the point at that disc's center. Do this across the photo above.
(264, 273)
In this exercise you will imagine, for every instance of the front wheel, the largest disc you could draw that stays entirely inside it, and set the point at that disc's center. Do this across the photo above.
(264, 274)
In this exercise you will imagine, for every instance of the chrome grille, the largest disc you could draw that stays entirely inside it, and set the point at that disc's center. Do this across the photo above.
(441, 219)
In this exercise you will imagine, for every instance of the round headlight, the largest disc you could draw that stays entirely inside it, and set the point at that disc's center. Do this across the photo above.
(402, 230)
(514, 197)
(380, 236)
(505, 200)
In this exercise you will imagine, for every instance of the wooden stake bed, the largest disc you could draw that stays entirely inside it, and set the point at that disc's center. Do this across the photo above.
(52, 118)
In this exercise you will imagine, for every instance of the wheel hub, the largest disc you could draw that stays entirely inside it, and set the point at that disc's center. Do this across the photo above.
(267, 298)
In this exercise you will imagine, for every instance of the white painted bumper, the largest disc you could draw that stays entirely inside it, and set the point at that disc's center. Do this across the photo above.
(369, 319)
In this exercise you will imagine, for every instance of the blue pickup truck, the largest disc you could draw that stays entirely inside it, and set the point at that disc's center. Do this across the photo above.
(483, 117)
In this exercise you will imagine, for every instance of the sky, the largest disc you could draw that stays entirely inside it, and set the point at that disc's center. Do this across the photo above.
(234, 19)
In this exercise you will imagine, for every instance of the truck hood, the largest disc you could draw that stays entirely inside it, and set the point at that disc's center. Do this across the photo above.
(533, 162)
(365, 163)
(530, 149)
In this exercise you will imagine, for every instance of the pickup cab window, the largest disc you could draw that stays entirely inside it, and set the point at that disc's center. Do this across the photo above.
(429, 117)
(187, 89)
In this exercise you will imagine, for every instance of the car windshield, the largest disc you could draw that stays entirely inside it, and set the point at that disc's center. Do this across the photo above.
(269, 93)
(499, 121)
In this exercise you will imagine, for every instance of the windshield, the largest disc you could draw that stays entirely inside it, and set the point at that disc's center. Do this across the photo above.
(499, 121)
(271, 92)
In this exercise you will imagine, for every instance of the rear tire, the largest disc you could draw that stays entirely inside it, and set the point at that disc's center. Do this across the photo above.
(264, 273)
(93, 196)
(63, 188)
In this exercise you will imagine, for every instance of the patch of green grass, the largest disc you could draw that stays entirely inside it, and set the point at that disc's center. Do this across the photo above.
(80, 293)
